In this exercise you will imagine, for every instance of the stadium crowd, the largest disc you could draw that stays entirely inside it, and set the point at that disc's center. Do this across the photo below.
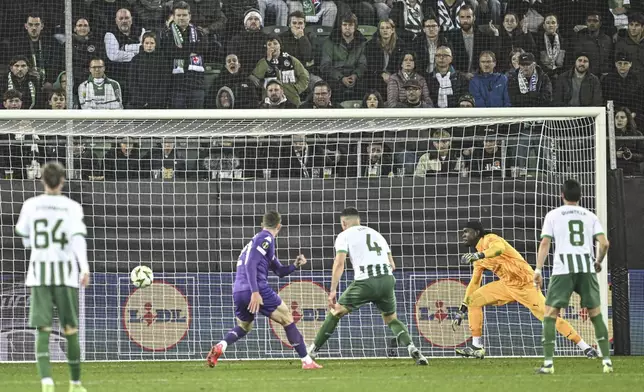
(273, 54)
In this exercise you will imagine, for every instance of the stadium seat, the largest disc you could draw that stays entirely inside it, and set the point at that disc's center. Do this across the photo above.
(353, 104)
(319, 31)
(367, 31)
(274, 29)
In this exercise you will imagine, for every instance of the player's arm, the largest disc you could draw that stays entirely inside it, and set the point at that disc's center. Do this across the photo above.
(336, 274)
(284, 270)
(79, 247)
(602, 249)
(391, 261)
(475, 283)
(542, 254)
(22, 228)
(494, 248)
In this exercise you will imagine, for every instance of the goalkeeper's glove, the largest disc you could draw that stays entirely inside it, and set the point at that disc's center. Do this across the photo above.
(468, 258)
(459, 316)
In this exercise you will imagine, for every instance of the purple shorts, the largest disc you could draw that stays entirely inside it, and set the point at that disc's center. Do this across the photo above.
(242, 299)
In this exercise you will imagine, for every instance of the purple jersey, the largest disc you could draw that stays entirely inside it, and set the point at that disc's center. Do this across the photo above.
(255, 260)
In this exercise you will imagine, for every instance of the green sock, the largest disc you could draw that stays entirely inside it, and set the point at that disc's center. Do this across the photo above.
(73, 357)
(42, 354)
(326, 330)
(549, 338)
(601, 334)
(401, 332)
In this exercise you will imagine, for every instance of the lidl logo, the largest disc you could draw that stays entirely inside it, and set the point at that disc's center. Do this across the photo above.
(434, 310)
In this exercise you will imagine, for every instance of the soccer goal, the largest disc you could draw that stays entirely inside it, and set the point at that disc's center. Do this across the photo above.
(183, 191)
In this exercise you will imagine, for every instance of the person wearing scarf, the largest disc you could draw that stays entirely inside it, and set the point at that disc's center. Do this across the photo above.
(551, 48)
(530, 87)
(185, 44)
(99, 91)
(21, 79)
(446, 84)
(408, 16)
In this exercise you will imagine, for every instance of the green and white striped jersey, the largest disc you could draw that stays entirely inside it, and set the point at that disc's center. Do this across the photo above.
(368, 250)
(573, 229)
(47, 224)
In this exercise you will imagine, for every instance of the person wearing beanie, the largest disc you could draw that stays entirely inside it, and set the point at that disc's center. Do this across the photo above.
(577, 86)
(249, 44)
(514, 284)
(622, 85)
(466, 101)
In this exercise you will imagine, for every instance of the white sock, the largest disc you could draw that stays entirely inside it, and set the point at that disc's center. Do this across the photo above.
(47, 381)
(224, 345)
(582, 345)
(411, 348)
(547, 362)
(477, 341)
(307, 360)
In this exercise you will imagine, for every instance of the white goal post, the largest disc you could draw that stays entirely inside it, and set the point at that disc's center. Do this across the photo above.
(131, 222)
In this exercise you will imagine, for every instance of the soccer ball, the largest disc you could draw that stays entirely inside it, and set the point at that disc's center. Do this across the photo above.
(141, 276)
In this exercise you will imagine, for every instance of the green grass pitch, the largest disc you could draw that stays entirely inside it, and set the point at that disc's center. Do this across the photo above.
(465, 375)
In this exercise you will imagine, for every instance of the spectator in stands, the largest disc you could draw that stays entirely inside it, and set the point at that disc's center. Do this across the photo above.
(86, 44)
(445, 84)
(632, 44)
(395, 90)
(442, 159)
(277, 7)
(151, 14)
(58, 100)
(578, 87)
(489, 88)
(447, 12)
(21, 79)
(208, 15)
(101, 13)
(87, 162)
(185, 44)
(530, 87)
(412, 96)
(122, 43)
(45, 53)
(551, 47)
(466, 101)
(514, 63)
(295, 41)
(488, 159)
(467, 42)
(509, 37)
(487, 11)
(99, 91)
(373, 100)
(279, 65)
(299, 160)
(383, 53)
(598, 46)
(323, 12)
(275, 97)
(364, 8)
(530, 12)
(249, 45)
(425, 45)
(408, 15)
(321, 97)
(630, 153)
(375, 162)
(622, 86)
(12, 100)
(148, 80)
(235, 87)
(122, 163)
(167, 161)
(344, 63)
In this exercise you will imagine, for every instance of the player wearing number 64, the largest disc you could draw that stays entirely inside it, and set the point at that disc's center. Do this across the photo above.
(515, 284)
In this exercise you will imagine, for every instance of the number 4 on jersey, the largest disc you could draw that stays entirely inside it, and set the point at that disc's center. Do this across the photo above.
(375, 247)
(42, 235)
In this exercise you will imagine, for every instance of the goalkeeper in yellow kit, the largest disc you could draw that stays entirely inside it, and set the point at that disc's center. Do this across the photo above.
(515, 284)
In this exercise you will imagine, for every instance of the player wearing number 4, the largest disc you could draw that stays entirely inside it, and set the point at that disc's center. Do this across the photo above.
(251, 293)
(514, 284)
(574, 230)
(373, 282)
(52, 226)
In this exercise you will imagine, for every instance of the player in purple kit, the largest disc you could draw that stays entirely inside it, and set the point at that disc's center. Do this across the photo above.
(251, 292)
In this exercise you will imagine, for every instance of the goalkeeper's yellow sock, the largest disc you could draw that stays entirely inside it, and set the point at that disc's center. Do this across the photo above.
(548, 339)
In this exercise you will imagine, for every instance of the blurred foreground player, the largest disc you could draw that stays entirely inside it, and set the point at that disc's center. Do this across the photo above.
(515, 284)
(251, 292)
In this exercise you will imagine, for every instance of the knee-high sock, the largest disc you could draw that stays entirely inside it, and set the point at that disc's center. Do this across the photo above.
(326, 330)
(564, 328)
(400, 330)
(601, 333)
(235, 334)
(42, 354)
(548, 338)
(475, 318)
(73, 357)
(296, 339)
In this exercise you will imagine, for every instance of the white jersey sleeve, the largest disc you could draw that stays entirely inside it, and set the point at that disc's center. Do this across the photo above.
(547, 230)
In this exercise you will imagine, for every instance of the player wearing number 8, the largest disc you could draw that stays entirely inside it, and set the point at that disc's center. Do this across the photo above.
(574, 230)
(52, 226)
(374, 282)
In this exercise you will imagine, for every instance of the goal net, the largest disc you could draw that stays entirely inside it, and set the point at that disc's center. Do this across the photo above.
(183, 192)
